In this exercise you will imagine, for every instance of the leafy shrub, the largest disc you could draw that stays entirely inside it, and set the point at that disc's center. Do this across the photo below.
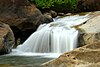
(58, 5)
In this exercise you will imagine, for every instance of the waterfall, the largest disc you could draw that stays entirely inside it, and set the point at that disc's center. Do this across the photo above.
(55, 37)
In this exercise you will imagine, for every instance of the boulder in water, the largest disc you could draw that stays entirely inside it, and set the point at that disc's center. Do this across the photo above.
(6, 38)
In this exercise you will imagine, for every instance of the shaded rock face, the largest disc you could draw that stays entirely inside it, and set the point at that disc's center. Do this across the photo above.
(87, 56)
(90, 31)
(89, 5)
(7, 39)
(22, 16)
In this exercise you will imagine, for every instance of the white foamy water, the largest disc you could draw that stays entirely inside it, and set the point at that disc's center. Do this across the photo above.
(52, 39)
(16, 52)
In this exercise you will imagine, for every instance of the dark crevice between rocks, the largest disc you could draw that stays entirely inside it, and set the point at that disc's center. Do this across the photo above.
(21, 36)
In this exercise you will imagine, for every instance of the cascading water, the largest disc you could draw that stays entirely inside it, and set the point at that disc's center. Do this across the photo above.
(53, 38)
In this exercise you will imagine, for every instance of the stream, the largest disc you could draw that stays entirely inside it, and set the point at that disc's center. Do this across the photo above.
(48, 42)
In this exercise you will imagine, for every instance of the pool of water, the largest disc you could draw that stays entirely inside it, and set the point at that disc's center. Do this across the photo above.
(22, 61)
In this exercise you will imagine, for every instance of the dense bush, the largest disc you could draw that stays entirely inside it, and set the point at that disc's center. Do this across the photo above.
(57, 5)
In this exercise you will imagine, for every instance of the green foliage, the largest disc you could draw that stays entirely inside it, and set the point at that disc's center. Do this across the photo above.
(60, 5)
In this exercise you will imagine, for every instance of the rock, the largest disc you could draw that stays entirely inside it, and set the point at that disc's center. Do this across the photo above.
(53, 13)
(88, 5)
(87, 56)
(61, 14)
(68, 14)
(90, 31)
(6, 38)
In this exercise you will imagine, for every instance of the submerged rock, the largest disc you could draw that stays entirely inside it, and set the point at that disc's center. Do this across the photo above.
(6, 38)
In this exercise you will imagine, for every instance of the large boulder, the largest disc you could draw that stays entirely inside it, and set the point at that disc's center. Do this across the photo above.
(22, 17)
(7, 39)
(90, 31)
(22, 14)
(87, 56)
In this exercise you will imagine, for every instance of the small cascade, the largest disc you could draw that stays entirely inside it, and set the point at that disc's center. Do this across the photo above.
(55, 37)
